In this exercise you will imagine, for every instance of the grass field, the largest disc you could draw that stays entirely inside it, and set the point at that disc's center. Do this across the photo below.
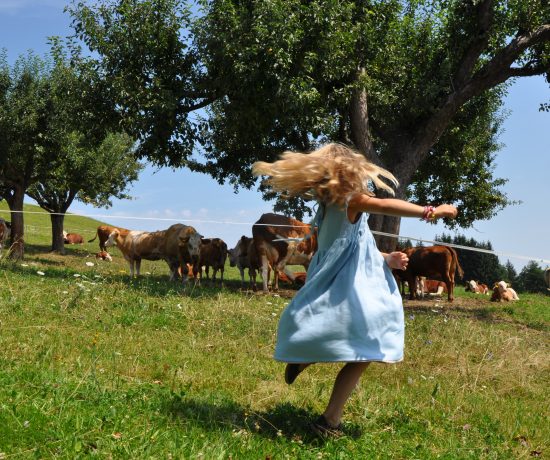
(93, 364)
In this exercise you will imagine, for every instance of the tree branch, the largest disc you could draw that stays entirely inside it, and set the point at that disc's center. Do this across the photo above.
(485, 13)
(498, 69)
(198, 105)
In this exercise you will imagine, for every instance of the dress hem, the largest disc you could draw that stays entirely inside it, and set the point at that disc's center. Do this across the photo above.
(384, 361)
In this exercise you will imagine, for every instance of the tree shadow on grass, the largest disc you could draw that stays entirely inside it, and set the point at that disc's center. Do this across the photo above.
(283, 420)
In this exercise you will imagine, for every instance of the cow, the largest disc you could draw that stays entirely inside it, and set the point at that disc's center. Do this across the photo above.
(72, 238)
(503, 292)
(5, 232)
(434, 261)
(299, 277)
(104, 255)
(268, 232)
(103, 232)
(177, 245)
(547, 278)
(213, 252)
(430, 287)
(476, 287)
(244, 255)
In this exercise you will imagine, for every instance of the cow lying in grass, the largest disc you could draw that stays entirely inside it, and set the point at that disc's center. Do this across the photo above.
(476, 287)
(72, 238)
(503, 293)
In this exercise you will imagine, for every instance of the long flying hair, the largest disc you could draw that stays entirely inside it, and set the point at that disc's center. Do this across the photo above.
(331, 173)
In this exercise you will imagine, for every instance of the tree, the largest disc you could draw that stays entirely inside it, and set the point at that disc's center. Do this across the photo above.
(416, 86)
(54, 116)
(24, 157)
(531, 278)
(511, 273)
(91, 175)
(93, 164)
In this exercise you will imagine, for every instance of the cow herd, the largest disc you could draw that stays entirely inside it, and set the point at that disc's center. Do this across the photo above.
(277, 241)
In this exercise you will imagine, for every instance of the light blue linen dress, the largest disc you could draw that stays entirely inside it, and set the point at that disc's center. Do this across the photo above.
(350, 308)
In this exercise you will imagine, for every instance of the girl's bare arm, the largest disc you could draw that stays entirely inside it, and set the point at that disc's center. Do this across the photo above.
(393, 207)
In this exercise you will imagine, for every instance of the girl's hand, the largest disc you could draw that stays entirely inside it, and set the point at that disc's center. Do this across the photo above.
(396, 260)
(445, 210)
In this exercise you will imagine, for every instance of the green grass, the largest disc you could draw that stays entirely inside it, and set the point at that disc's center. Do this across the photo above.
(97, 365)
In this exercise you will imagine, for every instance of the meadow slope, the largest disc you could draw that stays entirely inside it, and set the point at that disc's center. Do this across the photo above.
(93, 364)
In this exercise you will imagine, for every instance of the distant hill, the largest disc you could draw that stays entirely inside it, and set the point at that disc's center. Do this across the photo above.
(38, 225)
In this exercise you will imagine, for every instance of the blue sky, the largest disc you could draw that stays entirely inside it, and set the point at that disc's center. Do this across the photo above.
(216, 211)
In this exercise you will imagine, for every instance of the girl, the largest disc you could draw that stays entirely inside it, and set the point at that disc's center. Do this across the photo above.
(350, 308)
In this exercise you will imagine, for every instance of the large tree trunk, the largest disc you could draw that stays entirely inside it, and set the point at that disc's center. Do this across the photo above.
(15, 202)
(385, 224)
(58, 243)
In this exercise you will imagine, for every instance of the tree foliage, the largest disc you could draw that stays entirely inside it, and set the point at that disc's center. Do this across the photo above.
(417, 86)
(25, 156)
(531, 278)
(151, 68)
(57, 147)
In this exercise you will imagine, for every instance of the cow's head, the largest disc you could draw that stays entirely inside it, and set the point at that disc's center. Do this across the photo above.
(502, 286)
(471, 286)
(238, 251)
(111, 240)
(190, 242)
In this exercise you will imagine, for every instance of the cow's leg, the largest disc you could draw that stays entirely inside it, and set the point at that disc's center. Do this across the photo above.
(174, 266)
(131, 263)
(252, 276)
(289, 273)
(241, 270)
(138, 267)
(412, 287)
(185, 274)
(449, 282)
(265, 276)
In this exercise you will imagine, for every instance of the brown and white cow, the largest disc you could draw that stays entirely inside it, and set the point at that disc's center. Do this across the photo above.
(430, 287)
(476, 287)
(72, 238)
(438, 261)
(103, 232)
(178, 245)
(213, 253)
(244, 255)
(547, 278)
(268, 233)
(5, 232)
(503, 292)
(104, 255)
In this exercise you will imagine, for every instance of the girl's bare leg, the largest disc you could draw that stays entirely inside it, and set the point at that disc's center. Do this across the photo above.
(346, 381)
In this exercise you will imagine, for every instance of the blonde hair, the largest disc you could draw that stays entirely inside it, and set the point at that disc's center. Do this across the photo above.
(331, 173)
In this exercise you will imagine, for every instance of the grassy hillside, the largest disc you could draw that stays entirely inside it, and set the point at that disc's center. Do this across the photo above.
(95, 364)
